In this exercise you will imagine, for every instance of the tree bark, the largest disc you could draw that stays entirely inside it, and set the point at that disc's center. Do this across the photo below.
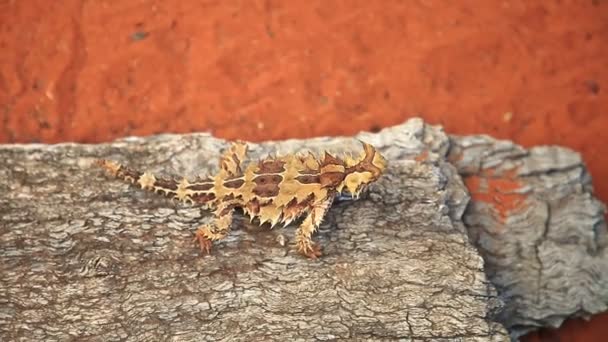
(88, 257)
(539, 228)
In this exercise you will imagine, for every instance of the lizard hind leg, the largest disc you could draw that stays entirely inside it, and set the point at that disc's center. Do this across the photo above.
(217, 230)
(310, 224)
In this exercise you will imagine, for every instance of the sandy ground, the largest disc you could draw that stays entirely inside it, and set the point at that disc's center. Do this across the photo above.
(93, 71)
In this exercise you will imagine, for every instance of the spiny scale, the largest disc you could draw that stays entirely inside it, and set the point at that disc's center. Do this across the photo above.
(277, 189)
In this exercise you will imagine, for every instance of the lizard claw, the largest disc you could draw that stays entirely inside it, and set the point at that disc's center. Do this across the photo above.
(312, 251)
(204, 243)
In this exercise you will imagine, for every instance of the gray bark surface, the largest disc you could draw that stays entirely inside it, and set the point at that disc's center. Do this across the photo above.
(547, 256)
(87, 257)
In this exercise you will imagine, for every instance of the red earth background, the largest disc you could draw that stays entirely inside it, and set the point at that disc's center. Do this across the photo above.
(92, 71)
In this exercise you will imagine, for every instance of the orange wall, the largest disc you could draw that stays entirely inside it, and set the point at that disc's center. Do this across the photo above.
(92, 71)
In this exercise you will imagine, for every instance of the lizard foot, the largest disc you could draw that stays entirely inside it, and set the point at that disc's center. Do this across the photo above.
(204, 243)
(311, 251)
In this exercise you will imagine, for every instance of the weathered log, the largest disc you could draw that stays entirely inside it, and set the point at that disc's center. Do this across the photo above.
(539, 228)
(84, 256)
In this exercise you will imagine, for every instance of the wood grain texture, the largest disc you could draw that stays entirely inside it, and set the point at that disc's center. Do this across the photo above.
(541, 231)
(84, 256)
(464, 237)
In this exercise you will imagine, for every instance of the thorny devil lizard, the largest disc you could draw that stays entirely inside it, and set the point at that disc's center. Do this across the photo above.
(276, 189)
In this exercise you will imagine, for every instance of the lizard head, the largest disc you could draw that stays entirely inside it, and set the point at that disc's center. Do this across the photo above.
(363, 170)
(352, 175)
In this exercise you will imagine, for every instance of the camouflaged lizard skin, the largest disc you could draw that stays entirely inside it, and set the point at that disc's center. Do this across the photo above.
(274, 190)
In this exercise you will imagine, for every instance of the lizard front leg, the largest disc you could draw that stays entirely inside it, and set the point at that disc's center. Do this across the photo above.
(310, 224)
(217, 230)
(231, 161)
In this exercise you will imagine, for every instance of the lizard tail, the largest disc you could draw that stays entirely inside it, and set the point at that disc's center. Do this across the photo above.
(184, 191)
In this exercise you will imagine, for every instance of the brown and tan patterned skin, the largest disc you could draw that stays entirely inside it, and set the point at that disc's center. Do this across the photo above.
(274, 190)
